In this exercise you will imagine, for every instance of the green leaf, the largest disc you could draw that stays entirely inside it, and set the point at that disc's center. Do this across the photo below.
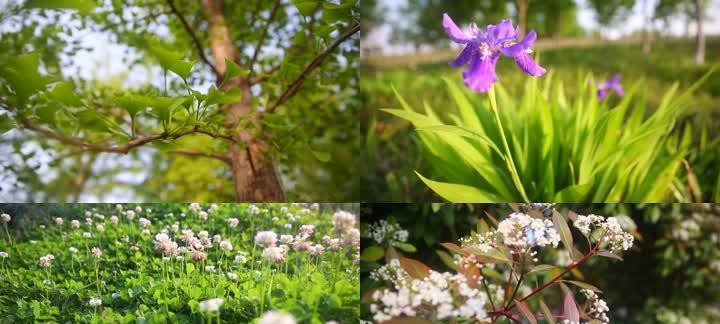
(164, 107)
(583, 285)
(409, 248)
(321, 156)
(565, 234)
(457, 192)
(546, 312)
(234, 70)
(447, 259)
(83, 6)
(91, 120)
(171, 61)
(491, 256)
(541, 268)
(306, 7)
(216, 96)
(133, 103)
(63, 92)
(21, 73)
(189, 268)
(372, 253)
(6, 124)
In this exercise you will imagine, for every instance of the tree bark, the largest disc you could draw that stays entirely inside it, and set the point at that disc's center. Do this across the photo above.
(522, 6)
(700, 37)
(253, 170)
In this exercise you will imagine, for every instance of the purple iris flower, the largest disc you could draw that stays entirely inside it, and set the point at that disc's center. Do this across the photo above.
(483, 49)
(612, 84)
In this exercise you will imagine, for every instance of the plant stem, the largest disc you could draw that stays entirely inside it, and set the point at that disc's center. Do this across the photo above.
(508, 155)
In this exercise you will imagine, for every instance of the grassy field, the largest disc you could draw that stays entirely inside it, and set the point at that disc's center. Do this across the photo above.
(392, 149)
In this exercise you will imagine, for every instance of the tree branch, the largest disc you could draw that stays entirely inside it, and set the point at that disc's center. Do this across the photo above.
(273, 12)
(266, 75)
(295, 85)
(121, 149)
(213, 155)
(195, 40)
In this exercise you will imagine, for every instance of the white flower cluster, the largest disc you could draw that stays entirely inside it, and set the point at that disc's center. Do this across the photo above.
(382, 232)
(440, 296)
(211, 305)
(165, 245)
(46, 261)
(598, 307)
(613, 233)
(5, 218)
(3, 254)
(233, 222)
(391, 272)
(96, 252)
(95, 301)
(343, 221)
(523, 231)
(274, 317)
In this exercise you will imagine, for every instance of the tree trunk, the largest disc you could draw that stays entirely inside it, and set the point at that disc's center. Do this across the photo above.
(522, 6)
(253, 170)
(700, 37)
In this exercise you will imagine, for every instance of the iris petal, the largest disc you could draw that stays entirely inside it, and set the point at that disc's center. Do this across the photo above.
(504, 32)
(524, 44)
(464, 56)
(528, 65)
(453, 31)
(481, 74)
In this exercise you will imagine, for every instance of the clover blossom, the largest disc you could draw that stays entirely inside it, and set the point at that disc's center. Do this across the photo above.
(211, 305)
(46, 261)
(233, 222)
(95, 302)
(96, 252)
(266, 238)
(75, 223)
(612, 84)
(5, 218)
(58, 221)
(483, 49)
(3, 254)
(274, 317)
(343, 221)
(226, 246)
(275, 254)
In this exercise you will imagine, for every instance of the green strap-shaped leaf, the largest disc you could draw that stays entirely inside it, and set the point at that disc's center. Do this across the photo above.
(565, 234)
(583, 285)
(83, 6)
(458, 192)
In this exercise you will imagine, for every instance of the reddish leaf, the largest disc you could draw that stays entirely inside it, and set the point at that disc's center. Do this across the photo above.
(570, 308)
(415, 268)
(565, 234)
(608, 254)
(492, 218)
(525, 311)
(572, 215)
(390, 254)
(452, 247)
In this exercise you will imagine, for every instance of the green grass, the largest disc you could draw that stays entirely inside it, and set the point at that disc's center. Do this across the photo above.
(139, 286)
(394, 151)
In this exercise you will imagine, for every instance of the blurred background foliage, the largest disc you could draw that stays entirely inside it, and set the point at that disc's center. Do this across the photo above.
(671, 275)
(650, 55)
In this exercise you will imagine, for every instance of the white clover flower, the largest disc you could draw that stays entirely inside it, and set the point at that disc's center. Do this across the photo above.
(125, 238)
(203, 215)
(59, 221)
(73, 250)
(5, 218)
(198, 255)
(130, 215)
(4, 254)
(195, 207)
(288, 226)
(210, 268)
(286, 239)
(118, 207)
(175, 227)
(89, 221)
(87, 235)
(134, 248)
(88, 214)
(203, 234)
(232, 276)
(180, 258)
(266, 238)
(165, 245)
(383, 232)
(100, 227)
(144, 222)
(114, 219)
(217, 238)
(211, 305)
(343, 221)
(275, 317)
(233, 222)
(316, 250)
(253, 210)
(241, 258)
(96, 252)
(275, 219)
(75, 223)
(274, 254)
(226, 246)
(95, 301)
(115, 295)
(46, 261)
(138, 209)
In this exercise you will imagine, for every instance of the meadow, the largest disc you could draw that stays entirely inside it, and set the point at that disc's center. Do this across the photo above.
(159, 263)
(395, 150)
